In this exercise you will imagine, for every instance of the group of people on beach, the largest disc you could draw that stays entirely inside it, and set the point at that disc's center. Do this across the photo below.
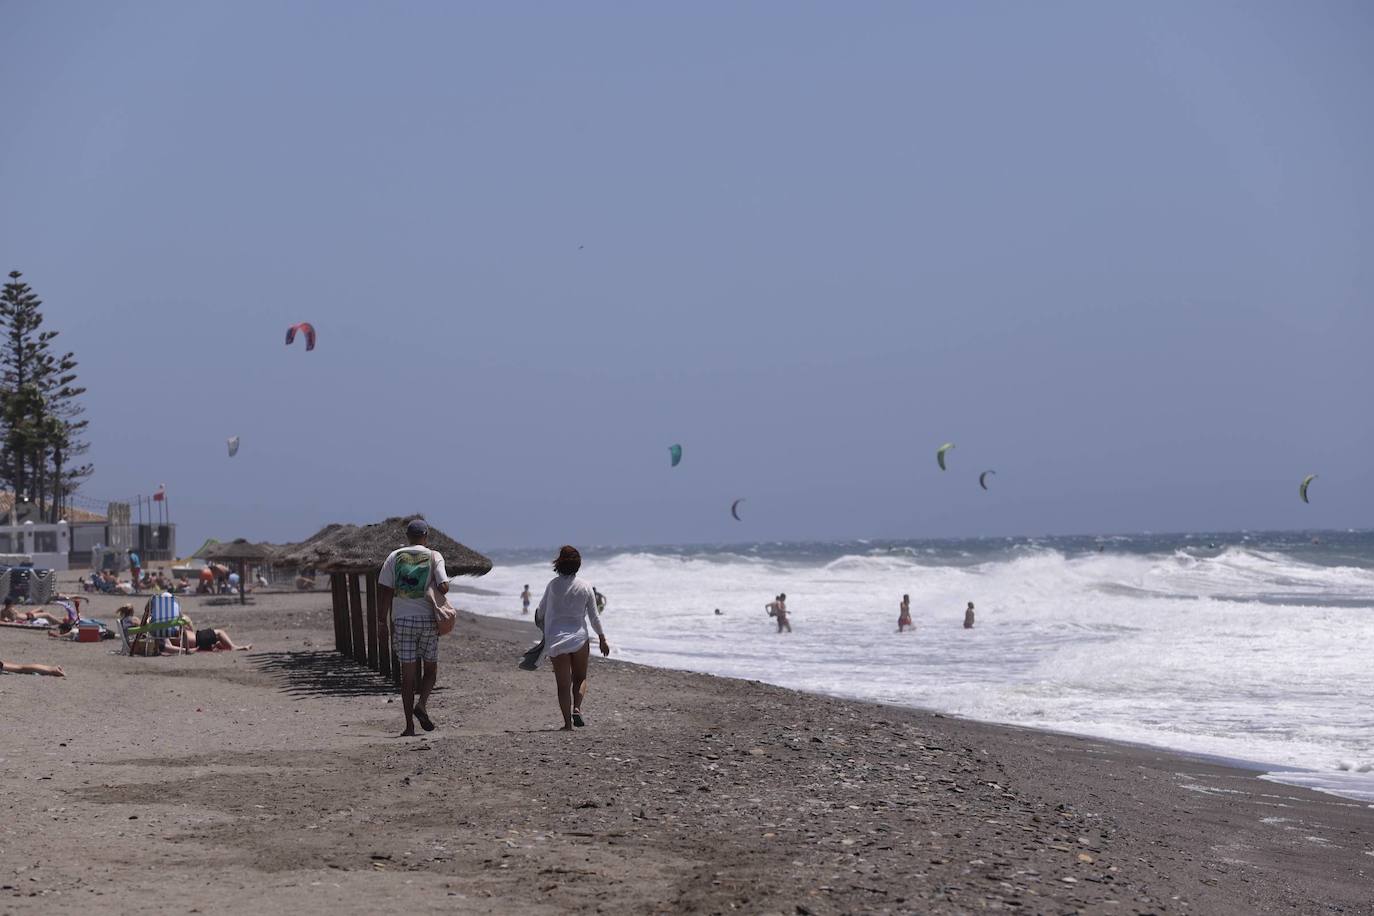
(412, 587)
(183, 639)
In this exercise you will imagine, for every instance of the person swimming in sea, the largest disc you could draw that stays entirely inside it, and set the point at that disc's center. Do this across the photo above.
(904, 615)
(968, 617)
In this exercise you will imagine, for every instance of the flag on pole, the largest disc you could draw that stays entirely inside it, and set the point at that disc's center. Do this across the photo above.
(161, 493)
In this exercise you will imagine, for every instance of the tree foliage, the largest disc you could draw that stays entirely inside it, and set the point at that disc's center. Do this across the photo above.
(41, 426)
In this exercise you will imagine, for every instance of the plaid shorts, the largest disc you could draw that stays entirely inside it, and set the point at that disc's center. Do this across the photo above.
(414, 638)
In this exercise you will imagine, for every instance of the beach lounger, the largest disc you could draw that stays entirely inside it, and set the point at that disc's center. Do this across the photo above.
(164, 622)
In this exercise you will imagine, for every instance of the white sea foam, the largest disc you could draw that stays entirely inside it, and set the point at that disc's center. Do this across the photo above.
(1238, 652)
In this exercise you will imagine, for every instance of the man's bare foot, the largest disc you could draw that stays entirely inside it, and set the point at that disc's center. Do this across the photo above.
(244, 648)
(566, 728)
(408, 733)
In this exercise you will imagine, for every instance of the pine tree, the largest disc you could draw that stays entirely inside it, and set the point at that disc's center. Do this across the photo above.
(40, 417)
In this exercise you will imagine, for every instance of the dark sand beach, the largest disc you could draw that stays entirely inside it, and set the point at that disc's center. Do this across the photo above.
(270, 782)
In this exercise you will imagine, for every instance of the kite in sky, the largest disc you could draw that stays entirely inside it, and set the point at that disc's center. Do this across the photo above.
(305, 328)
(1302, 489)
(940, 453)
(675, 452)
(734, 509)
(983, 479)
(233, 446)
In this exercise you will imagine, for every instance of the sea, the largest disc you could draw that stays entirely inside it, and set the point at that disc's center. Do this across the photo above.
(1255, 647)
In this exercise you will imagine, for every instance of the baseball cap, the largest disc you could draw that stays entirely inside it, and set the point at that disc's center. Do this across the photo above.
(417, 527)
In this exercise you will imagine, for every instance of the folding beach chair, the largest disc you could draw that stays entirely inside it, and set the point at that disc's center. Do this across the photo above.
(164, 622)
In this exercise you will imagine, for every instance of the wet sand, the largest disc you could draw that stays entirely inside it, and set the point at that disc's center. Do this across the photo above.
(271, 781)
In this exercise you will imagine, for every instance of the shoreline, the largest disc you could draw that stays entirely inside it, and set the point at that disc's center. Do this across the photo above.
(1273, 771)
(271, 780)
(1260, 769)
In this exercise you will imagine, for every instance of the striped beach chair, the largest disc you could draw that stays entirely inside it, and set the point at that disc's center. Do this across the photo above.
(164, 622)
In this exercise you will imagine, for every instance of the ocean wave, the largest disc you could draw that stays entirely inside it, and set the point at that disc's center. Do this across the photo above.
(1150, 640)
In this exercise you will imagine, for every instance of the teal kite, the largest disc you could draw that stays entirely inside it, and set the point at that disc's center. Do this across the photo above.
(1302, 489)
(676, 452)
(940, 453)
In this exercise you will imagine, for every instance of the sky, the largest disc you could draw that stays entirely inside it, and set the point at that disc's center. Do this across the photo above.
(1119, 253)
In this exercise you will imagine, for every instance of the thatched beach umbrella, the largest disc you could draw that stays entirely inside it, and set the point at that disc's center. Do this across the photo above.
(241, 552)
(363, 548)
(353, 557)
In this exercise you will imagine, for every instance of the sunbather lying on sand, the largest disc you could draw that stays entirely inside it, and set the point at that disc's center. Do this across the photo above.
(206, 640)
(189, 640)
(11, 614)
(17, 668)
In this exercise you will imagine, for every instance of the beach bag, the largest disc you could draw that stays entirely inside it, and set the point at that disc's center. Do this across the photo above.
(445, 616)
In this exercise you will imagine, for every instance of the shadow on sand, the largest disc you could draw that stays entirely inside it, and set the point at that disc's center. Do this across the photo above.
(322, 674)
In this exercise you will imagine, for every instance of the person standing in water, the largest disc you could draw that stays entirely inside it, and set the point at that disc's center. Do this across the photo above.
(777, 609)
(600, 601)
(968, 617)
(904, 614)
(563, 612)
(525, 599)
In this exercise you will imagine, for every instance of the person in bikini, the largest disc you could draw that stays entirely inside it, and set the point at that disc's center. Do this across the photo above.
(205, 640)
(777, 609)
(904, 615)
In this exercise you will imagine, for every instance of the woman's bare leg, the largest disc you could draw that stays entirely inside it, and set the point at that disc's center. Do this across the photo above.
(579, 676)
(562, 672)
(227, 644)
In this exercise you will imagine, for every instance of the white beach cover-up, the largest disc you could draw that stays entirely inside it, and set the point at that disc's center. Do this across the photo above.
(563, 612)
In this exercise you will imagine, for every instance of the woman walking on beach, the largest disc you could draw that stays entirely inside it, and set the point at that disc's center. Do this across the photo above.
(904, 615)
(563, 612)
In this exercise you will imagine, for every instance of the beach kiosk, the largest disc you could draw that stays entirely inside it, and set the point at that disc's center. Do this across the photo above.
(238, 554)
(352, 555)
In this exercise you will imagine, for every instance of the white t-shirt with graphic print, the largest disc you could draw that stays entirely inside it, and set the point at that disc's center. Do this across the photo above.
(407, 572)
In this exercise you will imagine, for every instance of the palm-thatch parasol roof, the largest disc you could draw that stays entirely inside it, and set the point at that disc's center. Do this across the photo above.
(363, 548)
(240, 549)
(203, 551)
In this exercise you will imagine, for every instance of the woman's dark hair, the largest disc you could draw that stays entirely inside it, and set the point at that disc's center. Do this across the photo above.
(569, 561)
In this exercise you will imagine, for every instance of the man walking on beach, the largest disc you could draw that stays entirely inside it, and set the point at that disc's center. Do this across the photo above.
(135, 569)
(525, 600)
(402, 593)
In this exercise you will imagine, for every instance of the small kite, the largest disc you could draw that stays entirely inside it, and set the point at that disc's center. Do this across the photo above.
(940, 453)
(233, 446)
(305, 328)
(675, 451)
(1302, 489)
(734, 509)
(983, 479)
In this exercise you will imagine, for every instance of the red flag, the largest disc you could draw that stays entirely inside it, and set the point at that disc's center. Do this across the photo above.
(161, 493)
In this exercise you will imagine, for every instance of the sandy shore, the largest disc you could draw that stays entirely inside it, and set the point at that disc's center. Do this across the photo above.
(269, 781)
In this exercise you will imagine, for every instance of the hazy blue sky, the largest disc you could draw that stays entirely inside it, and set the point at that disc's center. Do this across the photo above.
(1121, 253)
